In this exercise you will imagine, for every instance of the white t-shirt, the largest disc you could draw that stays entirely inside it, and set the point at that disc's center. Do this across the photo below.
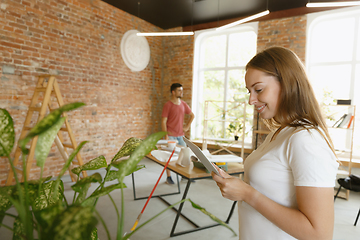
(292, 159)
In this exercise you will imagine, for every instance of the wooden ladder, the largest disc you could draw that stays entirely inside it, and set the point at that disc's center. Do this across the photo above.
(40, 104)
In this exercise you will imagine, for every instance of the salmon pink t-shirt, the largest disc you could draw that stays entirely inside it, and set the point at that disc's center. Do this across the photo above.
(175, 117)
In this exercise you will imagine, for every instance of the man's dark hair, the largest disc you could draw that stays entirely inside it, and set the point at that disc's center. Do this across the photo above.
(174, 86)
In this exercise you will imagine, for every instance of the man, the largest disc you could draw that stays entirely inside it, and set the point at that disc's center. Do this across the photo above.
(173, 119)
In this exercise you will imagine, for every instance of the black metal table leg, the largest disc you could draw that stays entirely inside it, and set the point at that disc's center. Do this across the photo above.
(231, 212)
(337, 193)
(180, 208)
(178, 214)
(357, 217)
(177, 211)
(197, 227)
(133, 183)
(153, 196)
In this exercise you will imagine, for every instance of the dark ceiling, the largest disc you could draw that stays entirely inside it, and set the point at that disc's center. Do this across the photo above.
(180, 13)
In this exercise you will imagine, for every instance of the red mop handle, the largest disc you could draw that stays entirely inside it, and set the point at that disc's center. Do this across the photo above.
(167, 163)
(147, 201)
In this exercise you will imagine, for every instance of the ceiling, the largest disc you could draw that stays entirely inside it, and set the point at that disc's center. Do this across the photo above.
(180, 13)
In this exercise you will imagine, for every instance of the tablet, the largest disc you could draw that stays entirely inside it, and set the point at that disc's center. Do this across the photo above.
(201, 156)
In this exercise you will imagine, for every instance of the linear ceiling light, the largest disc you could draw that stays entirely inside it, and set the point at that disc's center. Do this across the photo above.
(156, 34)
(252, 17)
(333, 4)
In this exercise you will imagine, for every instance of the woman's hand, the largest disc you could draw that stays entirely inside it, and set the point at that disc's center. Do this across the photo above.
(232, 188)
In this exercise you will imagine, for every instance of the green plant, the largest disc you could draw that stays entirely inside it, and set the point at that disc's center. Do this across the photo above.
(235, 128)
(41, 205)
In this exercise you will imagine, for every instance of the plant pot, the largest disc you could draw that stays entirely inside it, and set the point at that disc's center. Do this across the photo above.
(236, 138)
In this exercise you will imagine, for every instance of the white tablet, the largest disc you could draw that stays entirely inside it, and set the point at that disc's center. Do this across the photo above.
(201, 156)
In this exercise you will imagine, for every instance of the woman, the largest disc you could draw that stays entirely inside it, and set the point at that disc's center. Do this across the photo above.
(287, 192)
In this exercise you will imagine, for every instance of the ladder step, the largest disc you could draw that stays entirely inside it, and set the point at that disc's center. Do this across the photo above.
(45, 76)
(46, 86)
(35, 109)
(40, 89)
(68, 145)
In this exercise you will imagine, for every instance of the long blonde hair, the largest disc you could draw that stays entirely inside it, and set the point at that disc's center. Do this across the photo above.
(298, 106)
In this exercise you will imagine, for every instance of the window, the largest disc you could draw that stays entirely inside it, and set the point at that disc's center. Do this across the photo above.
(333, 58)
(219, 69)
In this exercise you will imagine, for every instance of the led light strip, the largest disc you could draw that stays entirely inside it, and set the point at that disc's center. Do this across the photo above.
(156, 34)
(261, 14)
(333, 4)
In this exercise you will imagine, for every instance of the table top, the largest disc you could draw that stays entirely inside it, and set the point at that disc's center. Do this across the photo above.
(196, 173)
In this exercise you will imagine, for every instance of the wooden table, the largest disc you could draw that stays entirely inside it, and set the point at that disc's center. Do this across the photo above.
(190, 174)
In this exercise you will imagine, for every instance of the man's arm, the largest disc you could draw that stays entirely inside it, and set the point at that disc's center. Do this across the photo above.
(187, 126)
(163, 126)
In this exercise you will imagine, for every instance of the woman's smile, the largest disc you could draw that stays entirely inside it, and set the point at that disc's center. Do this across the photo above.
(264, 92)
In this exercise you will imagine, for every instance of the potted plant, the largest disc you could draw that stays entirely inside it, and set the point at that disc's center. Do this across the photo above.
(41, 205)
(235, 128)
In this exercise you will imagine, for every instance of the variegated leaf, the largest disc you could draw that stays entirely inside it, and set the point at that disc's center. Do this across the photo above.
(45, 217)
(94, 235)
(102, 192)
(19, 230)
(77, 187)
(5, 193)
(113, 174)
(127, 148)
(5, 203)
(32, 191)
(44, 199)
(45, 141)
(47, 122)
(83, 190)
(71, 158)
(140, 152)
(75, 223)
(93, 164)
(7, 133)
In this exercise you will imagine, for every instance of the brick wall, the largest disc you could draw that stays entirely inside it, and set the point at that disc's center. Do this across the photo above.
(285, 32)
(78, 40)
(178, 56)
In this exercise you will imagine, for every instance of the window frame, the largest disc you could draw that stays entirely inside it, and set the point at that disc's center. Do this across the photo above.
(316, 18)
(197, 95)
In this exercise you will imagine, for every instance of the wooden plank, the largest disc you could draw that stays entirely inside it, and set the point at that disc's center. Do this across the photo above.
(195, 172)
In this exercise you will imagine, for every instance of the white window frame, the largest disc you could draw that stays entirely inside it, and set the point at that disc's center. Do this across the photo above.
(200, 37)
(315, 18)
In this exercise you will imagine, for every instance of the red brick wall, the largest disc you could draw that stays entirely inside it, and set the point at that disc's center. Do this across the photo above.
(285, 32)
(178, 59)
(78, 40)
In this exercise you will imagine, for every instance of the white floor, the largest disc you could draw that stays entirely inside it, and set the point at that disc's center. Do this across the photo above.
(205, 193)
